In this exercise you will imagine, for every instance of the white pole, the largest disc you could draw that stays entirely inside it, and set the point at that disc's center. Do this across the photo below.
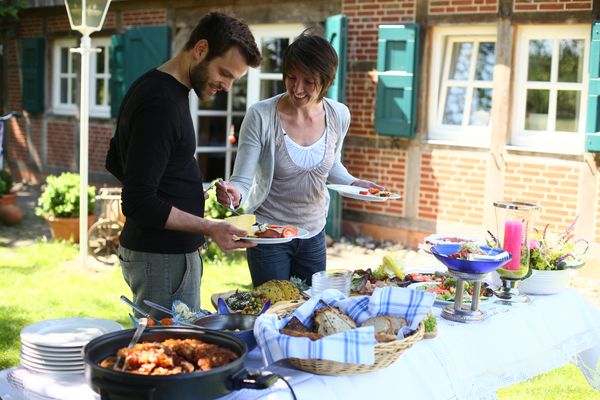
(84, 50)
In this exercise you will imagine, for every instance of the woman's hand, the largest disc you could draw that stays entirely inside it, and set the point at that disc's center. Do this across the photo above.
(367, 184)
(227, 193)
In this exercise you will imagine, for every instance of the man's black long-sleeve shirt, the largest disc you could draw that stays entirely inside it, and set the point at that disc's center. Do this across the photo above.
(152, 154)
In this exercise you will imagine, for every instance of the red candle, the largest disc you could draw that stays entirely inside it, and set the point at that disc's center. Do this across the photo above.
(513, 238)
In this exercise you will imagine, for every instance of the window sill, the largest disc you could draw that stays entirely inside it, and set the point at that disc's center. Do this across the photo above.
(455, 144)
(540, 151)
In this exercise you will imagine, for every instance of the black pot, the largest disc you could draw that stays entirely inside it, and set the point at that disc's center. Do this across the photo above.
(116, 385)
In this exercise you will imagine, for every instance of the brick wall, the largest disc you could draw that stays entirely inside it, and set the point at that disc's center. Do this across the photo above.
(58, 23)
(552, 184)
(145, 17)
(99, 138)
(361, 101)
(61, 144)
(452, 186)
(31, 27)
(463, 6)
(386, 167)
(15, 140)
(551, 5)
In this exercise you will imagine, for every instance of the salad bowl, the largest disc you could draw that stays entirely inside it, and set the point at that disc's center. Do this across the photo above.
(492, 259)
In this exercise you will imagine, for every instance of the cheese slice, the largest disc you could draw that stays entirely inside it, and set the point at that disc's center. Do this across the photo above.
(244, 222)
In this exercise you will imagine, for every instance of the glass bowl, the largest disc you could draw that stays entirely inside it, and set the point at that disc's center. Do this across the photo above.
(443, 251)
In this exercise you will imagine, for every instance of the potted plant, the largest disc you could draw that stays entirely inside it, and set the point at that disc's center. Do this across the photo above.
(59, 205)
(552, 256)
(6, 183)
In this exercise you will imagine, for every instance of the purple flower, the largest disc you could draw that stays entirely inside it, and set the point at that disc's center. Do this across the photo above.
(534, 244)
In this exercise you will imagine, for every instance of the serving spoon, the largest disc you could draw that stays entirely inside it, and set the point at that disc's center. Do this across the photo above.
(142, 323)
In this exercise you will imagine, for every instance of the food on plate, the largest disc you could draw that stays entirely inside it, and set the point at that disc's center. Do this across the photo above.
(246, 302)
(389, 273)
(171, 357)
(278, 290)
(435, 239)
(465, 250)
(276, 231)
(416, 277)
(376, 192)
(330, 320)
(243, 222)
(445, 289)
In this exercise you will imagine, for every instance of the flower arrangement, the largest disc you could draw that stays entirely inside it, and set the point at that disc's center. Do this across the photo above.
(552, 251)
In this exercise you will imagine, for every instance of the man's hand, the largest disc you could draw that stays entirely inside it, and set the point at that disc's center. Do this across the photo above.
(225, 236)
(227, 193)
(367, 184)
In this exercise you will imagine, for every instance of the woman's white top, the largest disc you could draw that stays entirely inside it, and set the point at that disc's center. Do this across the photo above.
(305, 156)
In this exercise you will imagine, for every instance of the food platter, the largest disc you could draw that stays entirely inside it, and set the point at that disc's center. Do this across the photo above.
(439, 300)
(354, 192)
(302, 233)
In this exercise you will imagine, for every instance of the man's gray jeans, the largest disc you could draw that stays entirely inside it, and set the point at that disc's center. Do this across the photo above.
(162, 278)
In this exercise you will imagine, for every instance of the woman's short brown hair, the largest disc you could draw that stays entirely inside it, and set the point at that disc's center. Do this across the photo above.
(314, 55)
(222, 32)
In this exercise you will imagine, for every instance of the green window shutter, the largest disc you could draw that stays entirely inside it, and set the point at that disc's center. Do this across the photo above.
(117, 74)
(336, 31)
(592, 139)
(33, 74)
(397, 67)
(141, 49)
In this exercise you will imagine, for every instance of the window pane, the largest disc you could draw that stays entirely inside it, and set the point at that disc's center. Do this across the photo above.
(212, 132)
(100, 92)
(272, 54)
(567, 110)
(100, 61)
(216, 102)
(486, 58)
(461, 60)
(540, 60)
(570, 62)
(455, 106)
(74, 91)
(76, 60)
(64, 90)
(481, 107)
(64, 60)
(537, 110)
(239, 93)
(269, 88)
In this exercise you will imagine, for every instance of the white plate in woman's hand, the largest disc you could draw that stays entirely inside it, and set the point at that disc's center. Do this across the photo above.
(354, 192)
(302, 233)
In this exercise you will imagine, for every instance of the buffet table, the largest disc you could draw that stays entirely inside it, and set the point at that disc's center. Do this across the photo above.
(465, 361)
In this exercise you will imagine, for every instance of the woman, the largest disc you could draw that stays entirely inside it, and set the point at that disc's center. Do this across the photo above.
(289, 147)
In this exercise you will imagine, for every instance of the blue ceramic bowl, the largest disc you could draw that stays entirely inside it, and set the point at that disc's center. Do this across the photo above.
(238, 325)
(443, 251)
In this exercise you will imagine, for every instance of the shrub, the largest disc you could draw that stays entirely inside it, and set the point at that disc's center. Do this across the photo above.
(6, 182)
(60, 197)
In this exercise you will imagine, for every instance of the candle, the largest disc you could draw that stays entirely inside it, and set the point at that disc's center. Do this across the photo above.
(513, 238)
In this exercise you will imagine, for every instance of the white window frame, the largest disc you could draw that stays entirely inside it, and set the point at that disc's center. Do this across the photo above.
(261, 32)
(441, 53)
(552, 141)
(254, 77)
(96, 110)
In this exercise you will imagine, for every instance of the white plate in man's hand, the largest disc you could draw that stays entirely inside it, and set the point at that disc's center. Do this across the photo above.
(353, 192)
(302, 233)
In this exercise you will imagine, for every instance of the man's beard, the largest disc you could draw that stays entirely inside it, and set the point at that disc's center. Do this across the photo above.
(199, 79)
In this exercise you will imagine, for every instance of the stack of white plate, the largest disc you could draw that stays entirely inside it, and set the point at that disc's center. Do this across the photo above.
(56, 345)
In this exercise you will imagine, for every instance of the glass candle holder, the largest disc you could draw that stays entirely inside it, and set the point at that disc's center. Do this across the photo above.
(514, 221)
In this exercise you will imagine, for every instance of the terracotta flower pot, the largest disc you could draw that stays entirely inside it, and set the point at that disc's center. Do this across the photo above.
(8, 198)
(11, 214)
(67, 228)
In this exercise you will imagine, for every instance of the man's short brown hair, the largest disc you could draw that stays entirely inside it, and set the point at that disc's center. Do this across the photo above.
(314, 55)
(222, 32)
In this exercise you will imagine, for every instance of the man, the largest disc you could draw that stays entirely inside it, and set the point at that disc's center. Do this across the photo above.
(152, 154)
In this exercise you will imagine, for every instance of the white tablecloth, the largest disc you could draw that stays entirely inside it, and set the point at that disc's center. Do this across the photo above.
(465, 361)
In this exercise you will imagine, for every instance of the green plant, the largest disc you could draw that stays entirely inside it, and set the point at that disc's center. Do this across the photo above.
(6, 182)
(430, 323)
(60, 197)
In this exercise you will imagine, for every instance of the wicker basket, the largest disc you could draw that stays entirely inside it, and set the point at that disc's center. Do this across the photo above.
(385, 355)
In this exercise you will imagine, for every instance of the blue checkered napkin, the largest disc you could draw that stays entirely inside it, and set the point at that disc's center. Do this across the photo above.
(355, 346)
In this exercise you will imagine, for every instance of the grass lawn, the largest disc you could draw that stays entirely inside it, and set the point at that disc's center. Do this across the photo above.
(44, 281)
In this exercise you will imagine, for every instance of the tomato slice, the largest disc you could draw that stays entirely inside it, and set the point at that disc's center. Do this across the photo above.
(373, 190)
(363, 192)
(289, 231)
